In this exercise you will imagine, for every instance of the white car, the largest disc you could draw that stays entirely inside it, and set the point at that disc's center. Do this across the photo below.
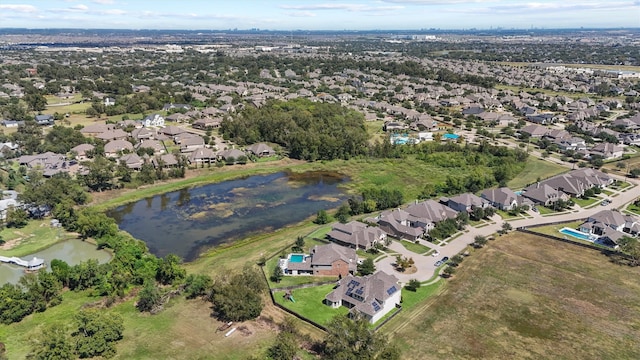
(435, 254)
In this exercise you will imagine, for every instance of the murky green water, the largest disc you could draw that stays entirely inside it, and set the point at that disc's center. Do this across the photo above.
(71, 251)
(188, 221)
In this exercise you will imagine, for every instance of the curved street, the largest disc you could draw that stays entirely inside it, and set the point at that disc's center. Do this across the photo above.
(425, 263)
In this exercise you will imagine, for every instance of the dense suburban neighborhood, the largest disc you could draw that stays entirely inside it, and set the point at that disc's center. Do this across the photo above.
(439, 146)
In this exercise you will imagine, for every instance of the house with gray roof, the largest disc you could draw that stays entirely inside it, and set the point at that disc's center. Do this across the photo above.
(467, 202)
(202, 156)
(607, 150)
(112, 148)
(504, 198)
(261, 150)
(543, 194)
(610, 226)
(371, 296)
(230, 154)
(400, 224)
(82, 150)
(323, 260)
(132, 161)
(357, 235)
(429, 212)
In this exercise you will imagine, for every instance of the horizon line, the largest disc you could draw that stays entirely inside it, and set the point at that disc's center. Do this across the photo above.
(492, 28)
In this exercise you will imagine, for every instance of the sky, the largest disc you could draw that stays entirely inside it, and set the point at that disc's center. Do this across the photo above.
(319, 14)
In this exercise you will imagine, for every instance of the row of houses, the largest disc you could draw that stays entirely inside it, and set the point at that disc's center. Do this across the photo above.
(566, 141)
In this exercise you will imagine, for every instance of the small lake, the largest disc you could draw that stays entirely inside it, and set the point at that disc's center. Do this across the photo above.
(73, 252)
(189, 221)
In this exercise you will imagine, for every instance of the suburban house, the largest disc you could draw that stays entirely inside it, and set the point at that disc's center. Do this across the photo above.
(142, 134)
(428, 213)
(611, 225)
(504, 198)
(95, 129)
(191, 143)
(323, 260)
(115, 134)
(356, 234)
(206, 123)
(44, 120)
(576, 182)
(534, 131)
(171, 131)
(370, 296)
(400, 224)
(467, 202)
(261, 150)
(171, 106)
(112, 148)
(202, 156)
(153, 120)
(157, 146)
(607, 150)
(5, 205)
(132, 161)
(543, 194)
(165, 160)
(50, 163)
(108, 101)
(81, 151)
(230, 154)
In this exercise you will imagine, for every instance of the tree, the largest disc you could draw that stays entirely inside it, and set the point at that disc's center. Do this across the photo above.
(349, 339)
(367, 267)
(240, 298)
(96, 224)
(36, 102)
(149, 297)
(299, 244)
(277, 274)
(52, 342)
(286, 345)
(449, 271)
(170, 270)
(631, 247)
(456, 260)
(97, 333)
(506, 227)
(197, 285)
(16, 218)
(413, 285)
(322, 217)
(479, 241)
(343, 213)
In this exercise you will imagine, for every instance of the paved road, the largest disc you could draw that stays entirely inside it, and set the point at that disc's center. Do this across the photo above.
(425, 264)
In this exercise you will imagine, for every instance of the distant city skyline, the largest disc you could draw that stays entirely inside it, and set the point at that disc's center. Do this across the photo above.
(319, 14)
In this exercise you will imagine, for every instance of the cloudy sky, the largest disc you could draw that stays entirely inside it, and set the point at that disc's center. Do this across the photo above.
(318, 14)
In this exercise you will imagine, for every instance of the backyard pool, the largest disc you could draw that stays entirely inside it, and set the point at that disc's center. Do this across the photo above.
(577, 234)
(450, 136)
(296, 258)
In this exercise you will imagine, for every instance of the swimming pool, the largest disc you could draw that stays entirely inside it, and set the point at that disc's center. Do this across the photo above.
(450, 136)
(296, 258)
(577, 234)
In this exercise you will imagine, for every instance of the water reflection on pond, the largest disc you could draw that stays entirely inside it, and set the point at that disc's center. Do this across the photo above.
(187, 221)
(71, 251)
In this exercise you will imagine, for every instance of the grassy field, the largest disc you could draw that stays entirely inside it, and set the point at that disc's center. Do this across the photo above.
(535, 169)
(413, 247)
(37, 235)
(528, 297)
(308, 303)
(554, 230)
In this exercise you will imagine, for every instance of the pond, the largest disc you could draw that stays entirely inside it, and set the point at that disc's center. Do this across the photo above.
(189, 221)
(71, 251)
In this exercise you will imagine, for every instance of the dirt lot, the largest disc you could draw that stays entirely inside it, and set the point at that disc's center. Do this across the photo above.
(526, 297)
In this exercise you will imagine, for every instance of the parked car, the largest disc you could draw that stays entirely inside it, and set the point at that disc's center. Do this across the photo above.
(435, 254)
(438, 263)
(605, 203)
(445, 259)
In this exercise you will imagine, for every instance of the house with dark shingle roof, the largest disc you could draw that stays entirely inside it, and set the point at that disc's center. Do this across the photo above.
(543, 194)
(371, 296)
(467, 202)
(504, 198)
(261, 150)
(356, 234)
(400, 224)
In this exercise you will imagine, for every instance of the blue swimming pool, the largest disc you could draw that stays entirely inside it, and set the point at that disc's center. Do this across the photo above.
(450, 136)
(296, 258)
(576, 234)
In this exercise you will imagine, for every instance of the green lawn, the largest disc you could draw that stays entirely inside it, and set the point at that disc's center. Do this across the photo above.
(554, 230)
(37, 235)
(413, 247)
(586, 202)
(535, 169)
(308, 303)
